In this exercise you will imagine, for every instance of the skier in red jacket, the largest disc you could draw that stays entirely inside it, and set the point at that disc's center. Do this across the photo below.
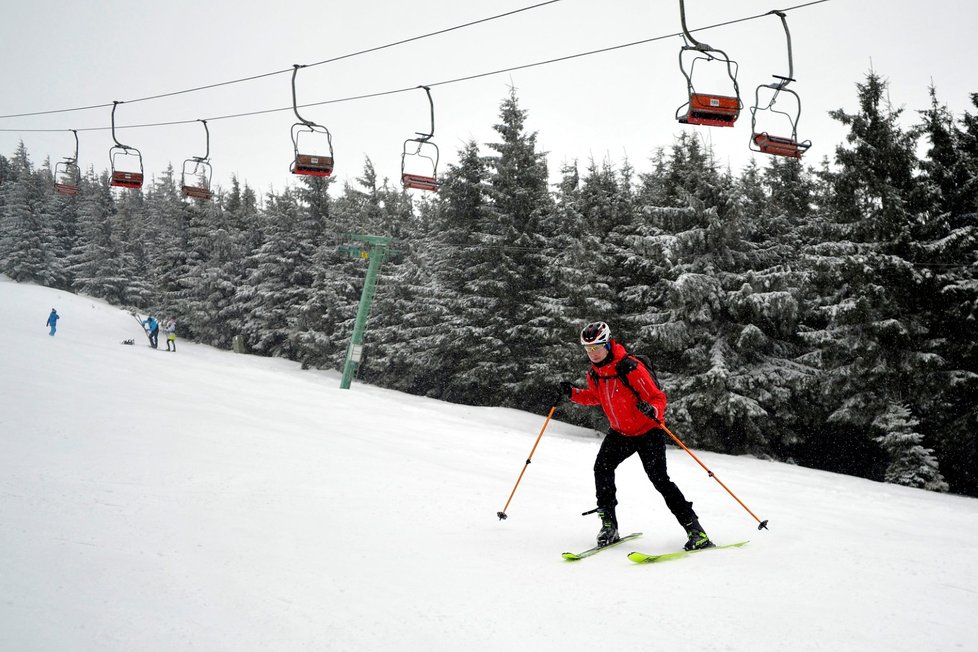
(634, 404)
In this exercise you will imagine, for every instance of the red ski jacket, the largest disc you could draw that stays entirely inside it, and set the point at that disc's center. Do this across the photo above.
(619, 403)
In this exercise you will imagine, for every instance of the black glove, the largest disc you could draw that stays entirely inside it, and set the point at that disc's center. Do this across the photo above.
(564, 390)
(648, 410)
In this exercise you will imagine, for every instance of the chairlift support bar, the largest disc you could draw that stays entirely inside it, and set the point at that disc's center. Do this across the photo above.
(787, 34)
(75, 159)
(116, 103)
(207, 140)
(686, 35)
(295, 104)
(431, 106)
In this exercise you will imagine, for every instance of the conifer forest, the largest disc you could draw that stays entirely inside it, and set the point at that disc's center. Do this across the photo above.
(820, 312)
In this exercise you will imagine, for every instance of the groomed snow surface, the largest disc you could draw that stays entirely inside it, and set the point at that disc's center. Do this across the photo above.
(203, 500)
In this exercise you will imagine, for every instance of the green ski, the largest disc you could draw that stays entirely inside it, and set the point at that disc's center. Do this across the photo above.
(642, 558)
(572, 556)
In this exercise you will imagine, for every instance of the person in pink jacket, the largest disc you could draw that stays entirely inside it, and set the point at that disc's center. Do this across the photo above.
(635, 406)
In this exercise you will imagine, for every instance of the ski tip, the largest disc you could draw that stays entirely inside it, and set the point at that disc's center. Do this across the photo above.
(570, 556)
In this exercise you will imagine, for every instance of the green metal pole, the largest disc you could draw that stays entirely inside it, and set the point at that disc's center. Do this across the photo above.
(376, 252)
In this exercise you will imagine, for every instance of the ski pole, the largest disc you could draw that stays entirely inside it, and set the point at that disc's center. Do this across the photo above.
(762, 525)
(502, 514)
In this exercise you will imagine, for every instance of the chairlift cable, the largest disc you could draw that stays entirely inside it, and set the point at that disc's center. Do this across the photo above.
(432, 84)
(279, 72)
(382, 93)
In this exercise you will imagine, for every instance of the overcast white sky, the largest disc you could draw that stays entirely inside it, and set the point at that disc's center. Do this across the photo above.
(61, 54)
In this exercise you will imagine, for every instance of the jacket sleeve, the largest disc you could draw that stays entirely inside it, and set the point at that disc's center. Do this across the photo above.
(586, 396)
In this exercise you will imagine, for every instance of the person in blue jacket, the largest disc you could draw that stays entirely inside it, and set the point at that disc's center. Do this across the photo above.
(153, 329)
(53, 322)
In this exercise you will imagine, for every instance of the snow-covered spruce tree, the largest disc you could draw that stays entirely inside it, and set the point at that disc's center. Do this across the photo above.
(137, 235)
(63, 211)
(586, 211)
(95, 261)
(511, 310)
(401, 322)
(326, 319)
(278, 281)
(166, 219)
(232, 229)
(205, 305)
(874, 346)
(459, 254)
(948, 256)
(26, 236)
(910, 464)
(950, 169)
(588, 260)
(771, 369)
(6, 173)
(315, 227)
(682, 260)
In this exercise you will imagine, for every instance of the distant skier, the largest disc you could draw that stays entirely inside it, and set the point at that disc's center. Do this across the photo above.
(171, 334)
(153, 330)
(53, 322)
(634, 404)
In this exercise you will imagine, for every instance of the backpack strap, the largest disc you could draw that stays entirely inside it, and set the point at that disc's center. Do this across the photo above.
(629, 364)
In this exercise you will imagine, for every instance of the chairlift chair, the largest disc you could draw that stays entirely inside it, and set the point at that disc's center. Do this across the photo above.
(709, 109)
(195, 177)
(423, 160)
(762, 141)
(316, 164)
(67, 175)
(766, 143)
(124, 176)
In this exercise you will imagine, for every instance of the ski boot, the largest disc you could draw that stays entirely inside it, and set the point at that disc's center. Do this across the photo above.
(609, 526)
(697, 537)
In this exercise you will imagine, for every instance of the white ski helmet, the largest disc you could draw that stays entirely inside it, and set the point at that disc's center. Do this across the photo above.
(596, 332)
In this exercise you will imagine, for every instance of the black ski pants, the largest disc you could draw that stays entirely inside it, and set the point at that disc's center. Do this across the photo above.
(651, 449)
(154, 336)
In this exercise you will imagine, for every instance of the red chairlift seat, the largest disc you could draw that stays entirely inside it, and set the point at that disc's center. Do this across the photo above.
(419, 182)
(780, 146)
(66, 189)
(195, 192)
(312, 165)
(66, 176)
(122, 179)
(712, 110)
